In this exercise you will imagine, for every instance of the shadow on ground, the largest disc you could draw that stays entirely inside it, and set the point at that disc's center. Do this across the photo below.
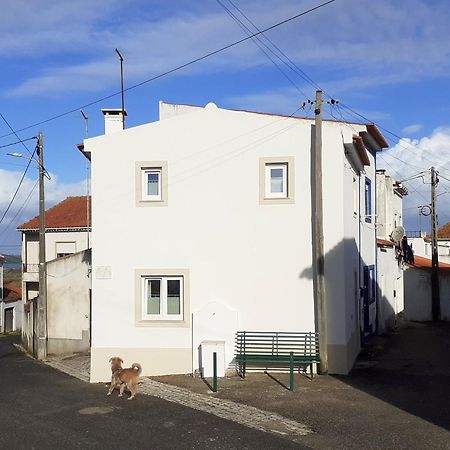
(410, 369)
(397, 397)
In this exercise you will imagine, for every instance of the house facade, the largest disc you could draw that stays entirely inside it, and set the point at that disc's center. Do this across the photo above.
(10, 303)
(202, 227)
(390, 261)
(67, 243)
(421, 243)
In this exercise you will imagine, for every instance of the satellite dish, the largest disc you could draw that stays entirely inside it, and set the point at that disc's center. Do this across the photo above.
(398, 234)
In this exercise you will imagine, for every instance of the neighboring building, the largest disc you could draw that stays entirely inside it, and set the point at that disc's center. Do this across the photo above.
(2, 261)
(418, 305)
(390, 259)
(202, 226)
(421, 243)
(11, 309)
(10, 304)
(67, 239)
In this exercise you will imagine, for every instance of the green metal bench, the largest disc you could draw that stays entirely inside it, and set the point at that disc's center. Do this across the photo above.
(283, 349)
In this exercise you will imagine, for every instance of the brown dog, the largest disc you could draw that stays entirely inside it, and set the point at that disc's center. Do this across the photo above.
(124, 377)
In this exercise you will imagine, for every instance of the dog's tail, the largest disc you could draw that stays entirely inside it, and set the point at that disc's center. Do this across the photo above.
(137, 367)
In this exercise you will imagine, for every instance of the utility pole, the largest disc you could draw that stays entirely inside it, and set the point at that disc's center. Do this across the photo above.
(318, 255)
(121, 83)
(42, 305)
(435, 297)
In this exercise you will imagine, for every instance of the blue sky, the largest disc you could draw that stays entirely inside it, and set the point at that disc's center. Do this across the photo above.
(388, 59)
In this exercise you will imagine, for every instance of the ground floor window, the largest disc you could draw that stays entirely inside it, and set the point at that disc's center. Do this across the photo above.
(162, 298)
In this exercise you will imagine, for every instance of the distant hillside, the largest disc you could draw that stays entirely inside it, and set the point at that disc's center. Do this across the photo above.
(14, 277)
(13, 259)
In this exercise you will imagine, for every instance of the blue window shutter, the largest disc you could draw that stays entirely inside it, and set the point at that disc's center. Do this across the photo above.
(368, 200)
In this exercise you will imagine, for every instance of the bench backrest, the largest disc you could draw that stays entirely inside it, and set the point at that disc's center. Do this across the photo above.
(277, 343)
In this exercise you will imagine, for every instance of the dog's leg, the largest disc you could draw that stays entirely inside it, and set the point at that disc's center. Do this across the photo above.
(133, 389)
(112, 386)
(122, 388)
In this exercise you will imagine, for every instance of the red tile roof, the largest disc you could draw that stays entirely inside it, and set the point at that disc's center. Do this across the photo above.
(384, 243)
(11, 293)
(444, 231)
(70, 213)
(425, 263)
(362, 152)
(376, 134)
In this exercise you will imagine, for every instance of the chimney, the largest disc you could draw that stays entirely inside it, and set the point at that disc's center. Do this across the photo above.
(113, 120)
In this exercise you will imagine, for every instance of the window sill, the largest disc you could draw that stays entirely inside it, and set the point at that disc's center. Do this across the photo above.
(162, 323)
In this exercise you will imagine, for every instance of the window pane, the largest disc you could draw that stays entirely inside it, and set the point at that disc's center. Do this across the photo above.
(276, 180)
(154, 297)
(173, 296)
(153, 183)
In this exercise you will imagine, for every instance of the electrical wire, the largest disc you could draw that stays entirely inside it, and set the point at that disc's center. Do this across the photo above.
(259, 43)
(18, 142)
(25, 203)
(17, 189)
(175, 69)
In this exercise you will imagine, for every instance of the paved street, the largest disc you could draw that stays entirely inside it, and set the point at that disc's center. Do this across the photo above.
(42, 408)
(397, 397)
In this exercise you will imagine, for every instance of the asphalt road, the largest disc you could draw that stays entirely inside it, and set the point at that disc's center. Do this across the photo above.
(41, 408)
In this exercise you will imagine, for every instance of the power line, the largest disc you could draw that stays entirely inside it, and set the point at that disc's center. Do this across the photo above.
(15, 134)
(20, 209)
(175, 69)
(309, 80)
(258, 42)
(293, 66)
(18, 142)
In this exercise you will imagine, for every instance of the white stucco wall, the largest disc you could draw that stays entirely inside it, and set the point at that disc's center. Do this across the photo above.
(68, 303)
(251, 258)
(31, 254)
(418, 294)
(390, 289)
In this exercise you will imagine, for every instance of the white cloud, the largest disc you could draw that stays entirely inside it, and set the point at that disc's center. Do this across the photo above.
(24, 208)
(408, 158)
(412, 129)
(399, 50)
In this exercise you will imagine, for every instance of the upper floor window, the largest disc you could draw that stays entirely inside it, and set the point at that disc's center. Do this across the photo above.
(368, 200)
(151, 184)
(276, 180)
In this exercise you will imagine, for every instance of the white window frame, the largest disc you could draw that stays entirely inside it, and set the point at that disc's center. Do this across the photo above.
(145, 172)
(284, 167)
(163, 298)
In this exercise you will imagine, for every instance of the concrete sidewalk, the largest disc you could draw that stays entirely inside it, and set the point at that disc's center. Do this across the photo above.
(249, 416)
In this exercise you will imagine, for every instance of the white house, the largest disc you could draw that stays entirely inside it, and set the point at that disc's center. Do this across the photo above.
(389, 208)
(10, 304)
(202, 226)
(421, 243)
(67, 243)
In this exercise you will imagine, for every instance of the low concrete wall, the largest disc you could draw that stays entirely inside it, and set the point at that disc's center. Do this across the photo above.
(68, 303)
(418, 294)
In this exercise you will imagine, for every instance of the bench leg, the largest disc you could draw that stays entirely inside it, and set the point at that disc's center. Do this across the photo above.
(291, 374)
(312, 371)
(243, 370)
